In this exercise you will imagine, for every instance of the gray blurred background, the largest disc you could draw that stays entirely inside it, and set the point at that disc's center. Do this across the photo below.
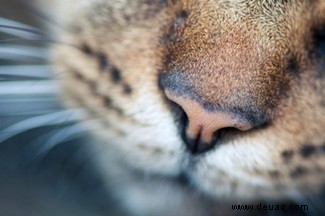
(64, 181)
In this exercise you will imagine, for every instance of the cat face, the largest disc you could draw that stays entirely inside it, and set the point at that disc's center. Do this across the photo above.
(229, 93)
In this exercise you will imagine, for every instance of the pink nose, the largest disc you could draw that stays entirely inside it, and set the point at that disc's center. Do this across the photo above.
(202, 124)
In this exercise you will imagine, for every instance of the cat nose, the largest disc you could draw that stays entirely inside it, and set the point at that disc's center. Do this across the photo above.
(203, 125)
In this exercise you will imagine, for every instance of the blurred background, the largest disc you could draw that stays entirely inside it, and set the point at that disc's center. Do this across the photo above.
(44, 170)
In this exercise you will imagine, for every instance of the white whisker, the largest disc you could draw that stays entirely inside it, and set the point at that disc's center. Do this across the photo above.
(33, 99)
(17, 52)
(33, 71)
(36, 112)
(28, 87)
(30, 41)
(44, 120)
(18, 29)
(66, 134)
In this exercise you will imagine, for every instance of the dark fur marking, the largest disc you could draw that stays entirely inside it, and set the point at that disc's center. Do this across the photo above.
(274, 173)
(142, 146)
(157, 2)
(78, 75)
(175, 26)
(298, 171)
(108, 101)
(287, 155)
(157, 150)
(257, 171)
(319, 169)
(319, 40)
(75, 29)
(293, 66)
(322, 102)
(102, 61)
(319, 44)
(127, 89)
(181, 16)
(116, 75)
(155, 6)
(110, 104)
(85, 48)
(307, 150)
(127, 17)
(322, 148)
(92, 86)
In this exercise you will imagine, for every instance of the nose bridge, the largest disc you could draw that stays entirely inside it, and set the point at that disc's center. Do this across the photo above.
(200, 62)
(215, 81)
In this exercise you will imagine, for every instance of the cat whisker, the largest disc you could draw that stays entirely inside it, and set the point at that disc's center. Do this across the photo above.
(30, 71)
(26, 33)
(36, 41)
(64, 135)
(39, 14)
(20, 32)
(18, 29)
(22, 52)
(56, 118)
(19, 40)
(33, 113)
(28, 87)
(29, 105)
(47, 98)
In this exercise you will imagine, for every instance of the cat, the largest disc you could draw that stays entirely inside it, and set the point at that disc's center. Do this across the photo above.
(216, 99)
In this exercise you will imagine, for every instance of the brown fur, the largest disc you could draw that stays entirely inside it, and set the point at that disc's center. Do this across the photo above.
(254, 57)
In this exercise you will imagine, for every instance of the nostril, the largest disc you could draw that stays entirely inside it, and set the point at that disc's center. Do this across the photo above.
(196, 146)
(204, 147)
(200, 127)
